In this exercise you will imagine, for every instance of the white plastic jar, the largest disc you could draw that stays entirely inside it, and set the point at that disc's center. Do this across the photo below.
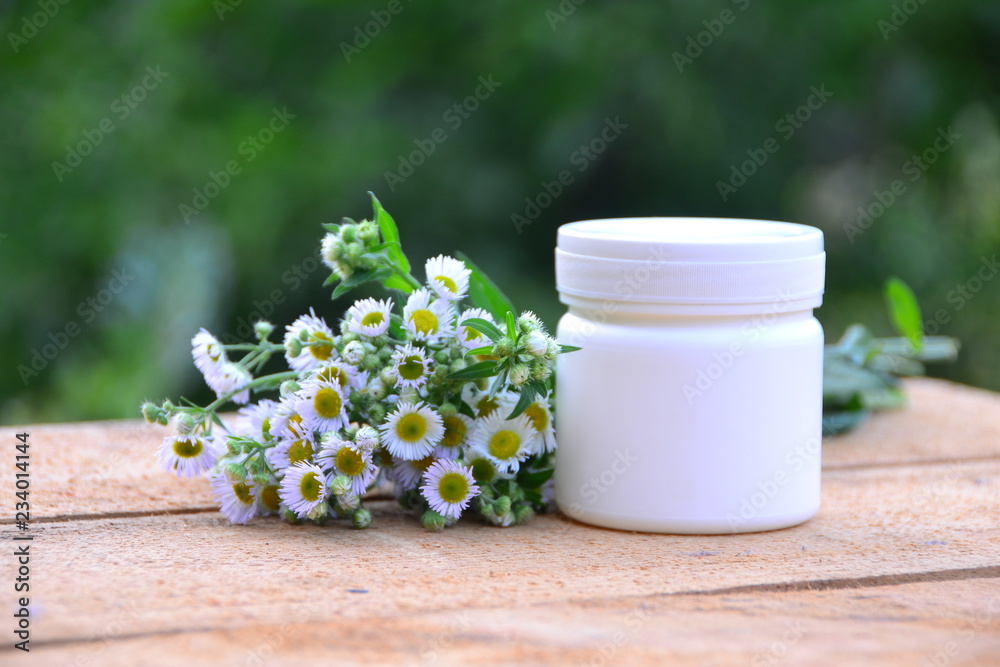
(695, 403)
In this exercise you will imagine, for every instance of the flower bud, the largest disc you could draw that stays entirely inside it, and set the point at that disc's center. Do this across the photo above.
(348, 502)
(377, 413)
(184, 423)
(541, 371)
(340, 485)
(235, 472)
(368, 232)
(234, 447)
(503, 348)
(442, 356)
(361, 518)
(502, 505)
(433, 521)
(150, 412)
(293, 347)
(536, 343)
(288, 387)
(371, 362)
(354, 352)
(522, 513)
(367, 437)
(288, 516)
(319, 513)
(263, 329)
(388, 377)
(529, 322)
(519, 374)
(262, 480)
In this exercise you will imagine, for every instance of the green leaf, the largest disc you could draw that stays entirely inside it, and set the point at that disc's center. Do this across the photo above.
(484, 327)
(466, 409)
(511, 326)
(526, 398)
(484, 293)
(535, 479)
(563, 349)
(485, 349)
(904, 311)
(390, 234)
(483, 369)
(360, 278)
(499, 382)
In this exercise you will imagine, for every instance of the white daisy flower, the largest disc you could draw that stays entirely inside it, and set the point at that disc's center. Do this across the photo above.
(406, 474)
(448, 277)
(367, 437)
(448, 487)
(186, 455)
(481, 403)
(342, 373)
(469, 337)
(369, 317)
(330, 254)
(227, 378)
(286, 422)
(303, 488)
(316, 330)
(342, 457)
(426, 319)
(411, 366)
(254, 420)
(268, 499)
(505, 442)
(207, 351)
(412, 430)
(236, 501)
(456, 433)
(540, 415)
(288, 452)
(484, 470)
(322, 406)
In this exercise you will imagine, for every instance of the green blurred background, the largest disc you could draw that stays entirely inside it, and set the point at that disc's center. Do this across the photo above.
(360, 102)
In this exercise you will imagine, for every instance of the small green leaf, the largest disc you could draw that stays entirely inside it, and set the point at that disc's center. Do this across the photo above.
(535, 479)
(904, 311)
(484, 293)
(360, 278)
(466, 409)
(511, 326)
(563, 349)
(527, 396)
(499, 382)
(390, 234)
(484, 327)
(485, 349)
(483, 369)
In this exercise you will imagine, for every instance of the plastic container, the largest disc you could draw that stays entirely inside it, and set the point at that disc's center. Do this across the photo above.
(695, 403)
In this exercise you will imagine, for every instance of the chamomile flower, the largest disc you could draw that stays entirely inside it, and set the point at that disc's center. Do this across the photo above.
(316, 340)
(505, 442)
(236, 500)
(469, 337)
(331, 252)
(448, 487)
(484, 470)
(342, 373)
(322, 406)
(481, 403)
(426, 319)
(255, 419)
(207, 351)
(456, 433)
(187, 455)
(412, 430)
(411, 366)
(288, 452)
(541, 420)
(303, 488)
(369, 317)
(448, 277)
(286, 422)
(342, 457)
(406, 474)
(268, 498)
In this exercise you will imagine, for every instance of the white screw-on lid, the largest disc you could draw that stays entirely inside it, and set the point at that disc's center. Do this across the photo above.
(690, 261)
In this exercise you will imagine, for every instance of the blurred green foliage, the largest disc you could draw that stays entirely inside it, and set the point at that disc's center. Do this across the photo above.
(226, 67)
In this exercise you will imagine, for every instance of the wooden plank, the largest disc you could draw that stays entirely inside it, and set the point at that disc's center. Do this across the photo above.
(109, 468)
(195, 571)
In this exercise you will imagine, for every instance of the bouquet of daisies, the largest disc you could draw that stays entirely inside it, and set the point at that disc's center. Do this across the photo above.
(450, 403)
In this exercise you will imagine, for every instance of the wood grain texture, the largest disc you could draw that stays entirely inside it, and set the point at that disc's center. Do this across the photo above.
(902, 566)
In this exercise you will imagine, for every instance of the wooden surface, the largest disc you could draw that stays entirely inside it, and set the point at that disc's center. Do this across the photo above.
(131, 566)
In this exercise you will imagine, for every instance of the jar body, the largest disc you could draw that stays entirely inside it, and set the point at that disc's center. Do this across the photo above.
(689, 423)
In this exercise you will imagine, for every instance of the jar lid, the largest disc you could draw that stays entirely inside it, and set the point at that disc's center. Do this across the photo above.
(690, 260)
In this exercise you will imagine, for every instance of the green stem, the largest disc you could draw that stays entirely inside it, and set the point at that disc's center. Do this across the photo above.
(256, 382)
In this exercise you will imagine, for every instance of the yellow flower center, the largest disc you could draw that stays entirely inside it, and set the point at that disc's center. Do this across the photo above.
(270, 499)
(453, 487)
(505, 444)
(373, 319)
(321, 351)
(310, 487)
(425, 321)
(472, 334)
(327, 403)
(242, 492)
(300, 450)
(454, 431)
(487, 406)
(538, 415)
(349, 462)
(411, 427)
(483, 470)
(448, 283)
(333, 374)
(411, 367)
(188, 448)
(424, 463)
